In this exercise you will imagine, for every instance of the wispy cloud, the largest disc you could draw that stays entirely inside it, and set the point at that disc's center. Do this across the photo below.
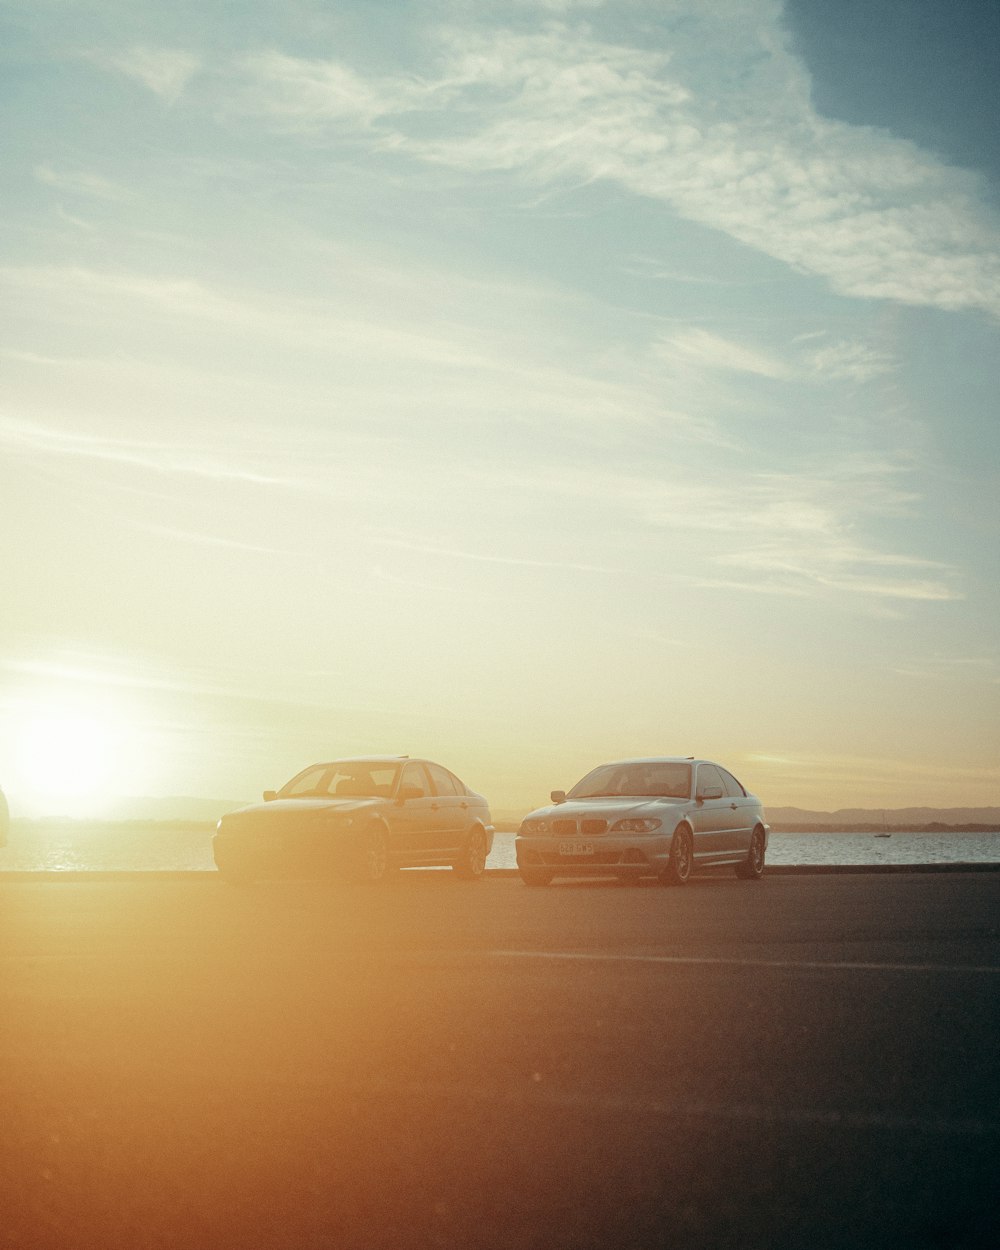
(780, 569)
(214, 540)
(80, 182)
(452, 553)
(853, 361)
(793, 534)
(878, 775)
(164, 71)
(702, 349)
(31, 438)
(305, 94)
(746, 154)
(481, 350)
(977, 668)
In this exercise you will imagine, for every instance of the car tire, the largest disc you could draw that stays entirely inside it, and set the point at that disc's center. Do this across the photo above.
(471, 864)
(372, 860)
(678, 869)
(535, 876)
(752, 868)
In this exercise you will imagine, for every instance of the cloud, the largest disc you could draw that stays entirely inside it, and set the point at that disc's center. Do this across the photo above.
(164, 71)
(309, 94)
(31, 438)
(79, 182)
(880, 773)
(700, 348)
(452, 553)
(214, 540)
(974, 669)
(849, 360)
(733, 143)
(789, 534)
(701, 351)
(781, 569)
(485, 347)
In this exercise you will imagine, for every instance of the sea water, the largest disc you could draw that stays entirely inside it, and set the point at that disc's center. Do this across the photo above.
(68, 847)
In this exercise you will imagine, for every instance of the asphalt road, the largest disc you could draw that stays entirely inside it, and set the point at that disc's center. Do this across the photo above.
(807, 1061)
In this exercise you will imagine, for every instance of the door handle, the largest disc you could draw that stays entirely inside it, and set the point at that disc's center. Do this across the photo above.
(733, 806)
(434, 807)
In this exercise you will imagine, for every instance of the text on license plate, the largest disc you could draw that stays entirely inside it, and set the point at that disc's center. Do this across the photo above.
(576, 848)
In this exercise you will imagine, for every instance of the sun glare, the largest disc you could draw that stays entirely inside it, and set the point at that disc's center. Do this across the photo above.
(73, 760)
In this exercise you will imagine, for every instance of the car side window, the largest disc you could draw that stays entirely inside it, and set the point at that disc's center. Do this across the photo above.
(709, 778)
(414, 775)
(733, 787)
(444, 783)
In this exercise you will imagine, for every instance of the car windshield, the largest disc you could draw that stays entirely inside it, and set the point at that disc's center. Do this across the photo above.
(353, 779)
(646, 780)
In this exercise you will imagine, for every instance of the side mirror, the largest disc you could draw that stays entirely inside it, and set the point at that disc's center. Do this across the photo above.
(409, 792)
(270, 796)
(558, 796)
(710, 792)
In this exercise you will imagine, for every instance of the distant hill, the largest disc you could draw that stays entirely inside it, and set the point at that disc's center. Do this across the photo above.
(798, 818)
(181, 807)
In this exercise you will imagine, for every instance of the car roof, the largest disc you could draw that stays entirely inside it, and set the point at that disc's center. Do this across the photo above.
(363, 759)
(658, 759)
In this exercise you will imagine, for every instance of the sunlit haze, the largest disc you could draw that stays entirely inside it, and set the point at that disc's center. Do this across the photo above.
(522, 385)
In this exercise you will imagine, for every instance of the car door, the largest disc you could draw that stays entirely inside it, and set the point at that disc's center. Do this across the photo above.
(713, 817)
(414, 824)
(453, 808)
(744, 808)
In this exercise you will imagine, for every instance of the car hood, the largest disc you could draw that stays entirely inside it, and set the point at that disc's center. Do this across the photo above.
(611, 808)
(284, 811)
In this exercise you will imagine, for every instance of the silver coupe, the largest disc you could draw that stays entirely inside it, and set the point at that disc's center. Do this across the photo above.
(664, 817)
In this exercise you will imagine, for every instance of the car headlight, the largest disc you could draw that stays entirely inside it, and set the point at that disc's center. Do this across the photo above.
(534, 826)
(333, 820)
(637, 824)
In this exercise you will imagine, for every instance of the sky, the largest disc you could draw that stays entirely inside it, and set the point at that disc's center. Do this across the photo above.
(521, 385)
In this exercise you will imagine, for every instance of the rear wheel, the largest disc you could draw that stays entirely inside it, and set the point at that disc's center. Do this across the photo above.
(752, 868)
(678, 869)
(535, 876)
(372, 864)
(471, 864)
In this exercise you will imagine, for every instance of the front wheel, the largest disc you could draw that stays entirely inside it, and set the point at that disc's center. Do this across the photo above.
(471, 864)
(681, 861)
(372, 862)
(752, 868)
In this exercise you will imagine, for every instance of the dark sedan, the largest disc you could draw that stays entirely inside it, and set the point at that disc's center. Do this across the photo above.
(360, 818)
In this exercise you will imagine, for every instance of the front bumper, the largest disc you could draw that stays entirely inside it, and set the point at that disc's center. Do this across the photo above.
(608, 856)
(264, 854)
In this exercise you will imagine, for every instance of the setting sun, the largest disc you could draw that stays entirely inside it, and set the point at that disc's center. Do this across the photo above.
(73, 757)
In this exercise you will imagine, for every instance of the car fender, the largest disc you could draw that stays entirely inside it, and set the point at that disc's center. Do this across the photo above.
(487, 830)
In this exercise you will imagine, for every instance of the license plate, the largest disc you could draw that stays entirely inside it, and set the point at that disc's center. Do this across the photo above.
(576, 848)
